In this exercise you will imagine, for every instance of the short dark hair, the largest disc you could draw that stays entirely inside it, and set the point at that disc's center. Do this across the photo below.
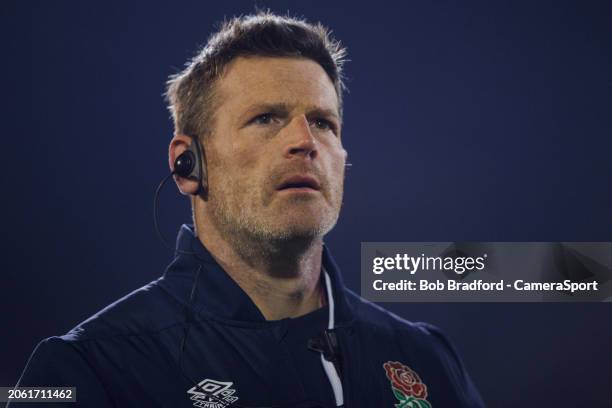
(191, 92)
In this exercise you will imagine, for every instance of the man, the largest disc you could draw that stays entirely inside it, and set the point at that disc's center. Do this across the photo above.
(252, 312)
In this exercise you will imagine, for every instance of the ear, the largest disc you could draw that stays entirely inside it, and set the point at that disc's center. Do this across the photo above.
(178, 145)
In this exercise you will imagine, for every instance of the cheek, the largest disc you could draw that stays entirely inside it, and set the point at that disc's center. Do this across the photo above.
(336, 165)
(241, 181)
(232, 167)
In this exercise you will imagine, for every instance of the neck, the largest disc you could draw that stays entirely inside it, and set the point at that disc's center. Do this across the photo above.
(281, 278)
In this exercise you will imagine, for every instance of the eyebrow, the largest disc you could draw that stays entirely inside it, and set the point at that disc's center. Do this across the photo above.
(283, 109)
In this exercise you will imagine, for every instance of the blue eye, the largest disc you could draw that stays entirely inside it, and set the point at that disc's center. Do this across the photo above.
(324, 124)
(263, 119)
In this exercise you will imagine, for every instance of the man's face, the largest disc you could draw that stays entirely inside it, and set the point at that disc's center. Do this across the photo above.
(275, 158)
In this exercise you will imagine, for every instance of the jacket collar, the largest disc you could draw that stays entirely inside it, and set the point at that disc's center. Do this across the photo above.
(218, 296)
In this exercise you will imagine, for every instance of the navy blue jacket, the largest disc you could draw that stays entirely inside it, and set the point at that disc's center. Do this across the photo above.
(150, 348)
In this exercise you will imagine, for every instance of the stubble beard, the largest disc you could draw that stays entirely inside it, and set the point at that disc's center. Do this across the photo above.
(256, 234)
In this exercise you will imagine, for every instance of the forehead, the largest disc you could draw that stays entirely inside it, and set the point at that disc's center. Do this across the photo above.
(294, 81)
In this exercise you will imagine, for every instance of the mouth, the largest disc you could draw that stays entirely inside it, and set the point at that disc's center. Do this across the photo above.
(299, 183)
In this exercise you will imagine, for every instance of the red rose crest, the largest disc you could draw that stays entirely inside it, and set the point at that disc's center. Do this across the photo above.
(407, 385)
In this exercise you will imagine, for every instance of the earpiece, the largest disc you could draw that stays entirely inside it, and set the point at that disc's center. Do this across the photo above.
(184, 164)
(191, 164)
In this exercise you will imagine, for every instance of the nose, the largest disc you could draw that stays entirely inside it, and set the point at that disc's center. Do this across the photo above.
(301, 142)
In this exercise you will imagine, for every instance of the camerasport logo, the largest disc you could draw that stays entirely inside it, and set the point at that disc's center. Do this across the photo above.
(213, 394)
(406, 385)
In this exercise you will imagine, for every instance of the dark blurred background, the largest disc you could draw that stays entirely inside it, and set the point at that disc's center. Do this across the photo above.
(481, 121)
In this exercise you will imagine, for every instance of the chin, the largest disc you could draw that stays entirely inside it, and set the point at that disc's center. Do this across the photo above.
(307, 226)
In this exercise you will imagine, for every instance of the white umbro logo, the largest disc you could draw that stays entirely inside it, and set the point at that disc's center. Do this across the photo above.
(213, 394)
